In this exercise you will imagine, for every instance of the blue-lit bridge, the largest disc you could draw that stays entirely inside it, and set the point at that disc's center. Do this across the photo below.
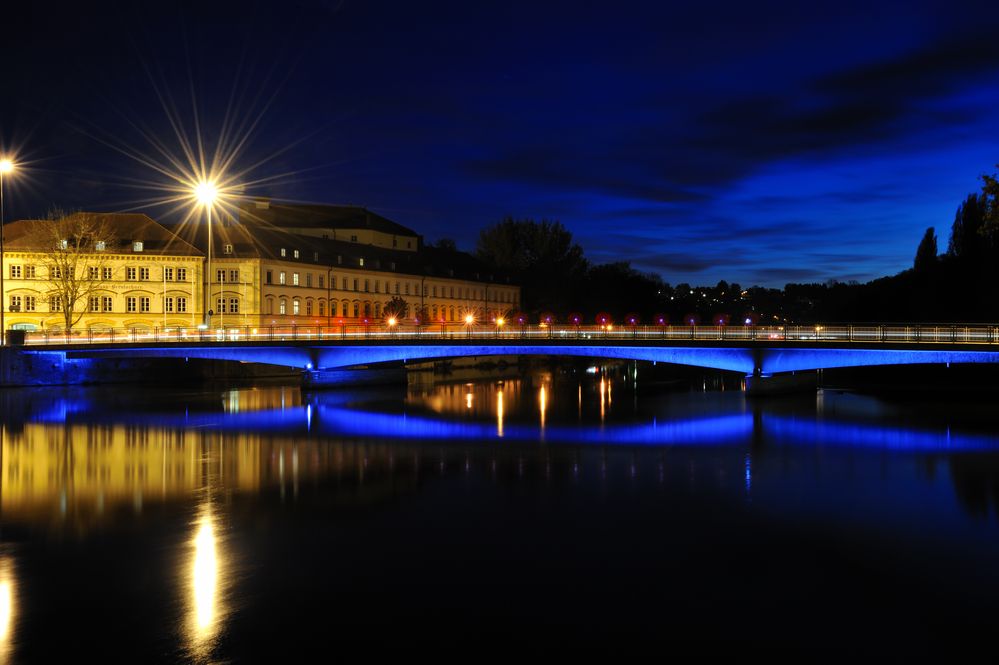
(751, 350)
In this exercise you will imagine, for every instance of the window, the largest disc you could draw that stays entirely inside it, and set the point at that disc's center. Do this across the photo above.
(344, 283)
(283, 252)
(56, 272)
(343, 310)
(308, 308)
(395, 241)
(294, 279)
(269, 277)
(339, 259)
(144, 304)
(409, 244)
(234, 305)
(94, 304)
(355, 284)
(106, 303)
(227, 249)
(93, 272)
(308, 279)
(15, 272)
(281, 279)
(397, 288)
(29, 272)
(130, 273)
(315, 256)
(322, 281)
(357, 309)
(136, 246)
(283, 306)
(15, 303)
(220, 276)
(407, 288)
(234, 276)
(144, 274)
(360, 262)
(182, 304)
(181, 276)
(29, 303)
(168, 304)
(451, 293)
(294, 306)
(295, 253)
(322, 308)
(367, 286)
(106, 273)
(435, 292)
(377, 285)
(168, 274)
(353, 238)
(220, 306)
(131, 303)
(63, 244)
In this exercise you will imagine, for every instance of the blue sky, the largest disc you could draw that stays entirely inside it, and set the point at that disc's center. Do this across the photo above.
(761, 143)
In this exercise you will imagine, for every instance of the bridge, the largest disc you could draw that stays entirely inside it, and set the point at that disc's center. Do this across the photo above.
(755, 351)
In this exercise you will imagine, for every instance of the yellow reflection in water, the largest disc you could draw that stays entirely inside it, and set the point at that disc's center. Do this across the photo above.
(499, 412)
(206, 611)
(543, 404)
(8, 600)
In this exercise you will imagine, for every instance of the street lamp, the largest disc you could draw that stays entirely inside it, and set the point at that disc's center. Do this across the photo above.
(205, 192)
(469, 320)
(6, 166)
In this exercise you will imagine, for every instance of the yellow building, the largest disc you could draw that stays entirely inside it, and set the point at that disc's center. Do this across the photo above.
(134, 273)
(271, 264)
(321, 265)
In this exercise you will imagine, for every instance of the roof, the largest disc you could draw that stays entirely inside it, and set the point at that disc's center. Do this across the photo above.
(124, 230)
(265, 212)
(267, 242)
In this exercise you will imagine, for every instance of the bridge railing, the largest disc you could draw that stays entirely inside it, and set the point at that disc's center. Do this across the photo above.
(866, 333)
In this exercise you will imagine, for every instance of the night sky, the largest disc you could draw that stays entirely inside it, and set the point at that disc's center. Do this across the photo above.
(754, 142)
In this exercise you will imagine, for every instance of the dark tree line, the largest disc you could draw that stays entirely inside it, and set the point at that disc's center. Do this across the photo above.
(954, 286)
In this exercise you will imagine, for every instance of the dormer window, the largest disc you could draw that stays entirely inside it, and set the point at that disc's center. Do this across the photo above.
(353, 238)
(100, 245)
(339, 259)
(284, 252)
(315, 256)
(360, 262)
(295, 253)
(227, 249)
(137, 246)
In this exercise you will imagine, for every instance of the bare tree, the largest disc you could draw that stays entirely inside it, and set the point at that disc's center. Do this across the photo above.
(78, 252)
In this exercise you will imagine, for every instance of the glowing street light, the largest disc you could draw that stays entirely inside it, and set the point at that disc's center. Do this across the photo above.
(6, 166)
(469, 320)
(205, 193)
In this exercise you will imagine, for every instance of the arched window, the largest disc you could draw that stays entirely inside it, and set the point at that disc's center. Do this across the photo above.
(357, 309)
(322, 308)
(283, 307)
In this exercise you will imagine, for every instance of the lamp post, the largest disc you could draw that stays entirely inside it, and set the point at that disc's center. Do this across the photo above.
(205, 192)
(6, 166)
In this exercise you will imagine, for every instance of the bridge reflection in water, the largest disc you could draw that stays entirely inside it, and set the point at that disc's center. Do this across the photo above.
(68, 459)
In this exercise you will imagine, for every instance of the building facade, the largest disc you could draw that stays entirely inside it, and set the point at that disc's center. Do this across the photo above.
(137, 274)
(271, 265)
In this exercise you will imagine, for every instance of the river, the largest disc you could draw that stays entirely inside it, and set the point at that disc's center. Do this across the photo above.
(229, 525)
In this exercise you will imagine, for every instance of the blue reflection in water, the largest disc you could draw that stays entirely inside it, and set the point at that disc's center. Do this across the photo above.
(333, 415)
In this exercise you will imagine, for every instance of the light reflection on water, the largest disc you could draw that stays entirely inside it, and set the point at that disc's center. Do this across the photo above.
(8, 606)
(84, 461)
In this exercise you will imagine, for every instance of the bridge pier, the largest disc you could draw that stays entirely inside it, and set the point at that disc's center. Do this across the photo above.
(762, 385)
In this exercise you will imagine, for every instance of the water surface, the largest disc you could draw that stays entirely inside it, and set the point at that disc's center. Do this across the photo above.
(219, 525)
